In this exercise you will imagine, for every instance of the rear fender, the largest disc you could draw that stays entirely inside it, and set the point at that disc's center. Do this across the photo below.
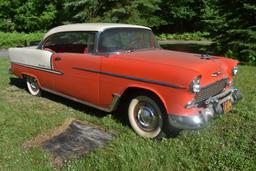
(24, 74)
(31, 57)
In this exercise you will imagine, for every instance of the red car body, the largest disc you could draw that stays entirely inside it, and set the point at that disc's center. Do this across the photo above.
(101, 80)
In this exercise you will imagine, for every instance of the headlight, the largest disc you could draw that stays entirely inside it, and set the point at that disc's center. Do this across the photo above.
(234, 70)
(195, 85)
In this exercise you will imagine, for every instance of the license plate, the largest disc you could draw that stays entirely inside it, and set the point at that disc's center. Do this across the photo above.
(227, 106)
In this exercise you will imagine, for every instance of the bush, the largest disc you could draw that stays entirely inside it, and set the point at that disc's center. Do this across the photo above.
(23, 39)
(184, 36)
(18, 39)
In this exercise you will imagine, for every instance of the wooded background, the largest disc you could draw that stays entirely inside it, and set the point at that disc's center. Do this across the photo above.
(231, 23)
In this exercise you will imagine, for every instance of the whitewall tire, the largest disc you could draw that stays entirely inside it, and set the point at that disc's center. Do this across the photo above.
(33, 86)
(145, 116)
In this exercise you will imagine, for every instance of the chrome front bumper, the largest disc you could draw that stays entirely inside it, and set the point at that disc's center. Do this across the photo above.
(201, 119)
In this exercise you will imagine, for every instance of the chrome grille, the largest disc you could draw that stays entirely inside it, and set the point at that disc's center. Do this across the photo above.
(211, 90)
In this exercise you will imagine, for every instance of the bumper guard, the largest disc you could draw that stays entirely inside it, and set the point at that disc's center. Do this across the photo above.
(201, 119)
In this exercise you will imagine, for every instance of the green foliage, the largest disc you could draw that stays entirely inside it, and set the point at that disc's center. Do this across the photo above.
(33, 15)
(142, 12)
(183, 15)
(234, 29)
(184, 36)
(231, 24)
(27, 15)
(18, 39)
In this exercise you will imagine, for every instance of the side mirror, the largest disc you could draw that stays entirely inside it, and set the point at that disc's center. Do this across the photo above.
(34, 43)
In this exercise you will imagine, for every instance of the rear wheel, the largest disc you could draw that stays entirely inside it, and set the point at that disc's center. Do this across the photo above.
(33, 86)
(146, 117)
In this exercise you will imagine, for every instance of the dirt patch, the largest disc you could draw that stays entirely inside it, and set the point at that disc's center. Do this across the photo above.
(70, 141)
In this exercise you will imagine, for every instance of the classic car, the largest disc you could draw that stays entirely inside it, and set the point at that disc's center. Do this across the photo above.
(108, 66)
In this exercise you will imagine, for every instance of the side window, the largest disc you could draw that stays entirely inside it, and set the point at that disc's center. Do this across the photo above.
(71, 42)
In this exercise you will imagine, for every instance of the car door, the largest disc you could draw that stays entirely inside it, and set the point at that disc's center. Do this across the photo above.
(74, 58)
(78, 79)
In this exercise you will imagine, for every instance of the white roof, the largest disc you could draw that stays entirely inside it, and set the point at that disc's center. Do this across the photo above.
(90, 27)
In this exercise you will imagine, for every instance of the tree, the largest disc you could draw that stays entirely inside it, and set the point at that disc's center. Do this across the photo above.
(234, 29)
(27, 15)
(183, 15)
(143, 12)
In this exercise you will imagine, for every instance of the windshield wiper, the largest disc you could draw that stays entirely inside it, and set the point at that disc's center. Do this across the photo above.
(144, 49)
(119, 51)
(122, 51)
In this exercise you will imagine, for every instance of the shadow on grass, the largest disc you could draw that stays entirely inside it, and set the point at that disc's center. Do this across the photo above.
(119, 115)
(19, 83)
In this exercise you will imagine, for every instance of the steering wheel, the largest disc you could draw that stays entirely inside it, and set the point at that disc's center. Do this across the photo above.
(129, 45)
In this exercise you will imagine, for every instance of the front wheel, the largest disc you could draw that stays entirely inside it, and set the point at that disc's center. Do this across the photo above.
(33, 86)
(146, 117)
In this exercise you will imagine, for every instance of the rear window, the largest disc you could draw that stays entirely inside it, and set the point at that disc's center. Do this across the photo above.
(71, 42)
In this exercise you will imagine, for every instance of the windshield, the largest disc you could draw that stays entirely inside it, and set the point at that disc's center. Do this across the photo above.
(126, 39)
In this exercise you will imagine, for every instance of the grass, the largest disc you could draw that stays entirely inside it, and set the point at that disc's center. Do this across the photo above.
(228, 143)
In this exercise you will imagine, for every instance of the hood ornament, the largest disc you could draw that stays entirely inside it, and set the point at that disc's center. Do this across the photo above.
(216, 74)
(206, 56)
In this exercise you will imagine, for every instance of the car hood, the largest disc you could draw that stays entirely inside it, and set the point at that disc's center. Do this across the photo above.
(211, 69)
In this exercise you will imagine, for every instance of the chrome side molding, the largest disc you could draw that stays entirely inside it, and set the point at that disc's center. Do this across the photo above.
(112, 106)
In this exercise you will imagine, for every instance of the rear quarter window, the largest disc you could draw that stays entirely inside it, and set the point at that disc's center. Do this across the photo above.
(71, 42)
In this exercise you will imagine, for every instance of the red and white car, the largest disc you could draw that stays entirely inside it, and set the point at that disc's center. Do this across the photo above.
(111, 65)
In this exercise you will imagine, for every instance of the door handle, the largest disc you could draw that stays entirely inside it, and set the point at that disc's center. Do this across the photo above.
(57, 59)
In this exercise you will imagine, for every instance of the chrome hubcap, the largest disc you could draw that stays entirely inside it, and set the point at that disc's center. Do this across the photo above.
(147, 118)
(33, 84)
